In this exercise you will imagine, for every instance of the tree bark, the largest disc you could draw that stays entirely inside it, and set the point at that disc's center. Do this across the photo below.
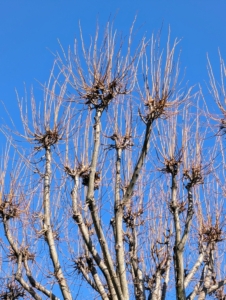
(48, 228)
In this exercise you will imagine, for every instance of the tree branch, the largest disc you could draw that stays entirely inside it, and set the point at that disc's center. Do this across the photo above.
(178, 251)
(166, 282)
(48, 229)
(156, 294)
(98, 283)
(119, 245)
(139, 164)
(136, 272)
(94, 210)
(77, 216)
(193, 294)
(9, 236)
(36, 284)
(194, 269)
(188, 221)
(216, 286)
(20, 279)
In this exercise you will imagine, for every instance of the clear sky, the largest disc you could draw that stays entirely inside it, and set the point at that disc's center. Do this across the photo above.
(29, 28)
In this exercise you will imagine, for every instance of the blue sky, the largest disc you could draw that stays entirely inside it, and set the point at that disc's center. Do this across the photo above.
(29, 28)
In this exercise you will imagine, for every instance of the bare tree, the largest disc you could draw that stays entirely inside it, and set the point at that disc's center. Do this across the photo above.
(118, 189)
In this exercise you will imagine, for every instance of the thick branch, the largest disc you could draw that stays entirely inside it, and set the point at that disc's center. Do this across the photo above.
(194, 269)
(178, 251)
(193, 294)
(48, 229)
(36, 284)
(88, 279)
(216, 286)
(97, 281)
(96, 284)
(24, 284)
(139, 165)
(188, 221)
(86, 238)
(208, 275)
(120, 255)
(9, 237)
(175, 210)
(136, 272)
(94, 209)
(166, 282)
(156, 294)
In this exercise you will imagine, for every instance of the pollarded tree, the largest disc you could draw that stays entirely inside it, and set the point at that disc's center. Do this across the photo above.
(119, 184)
